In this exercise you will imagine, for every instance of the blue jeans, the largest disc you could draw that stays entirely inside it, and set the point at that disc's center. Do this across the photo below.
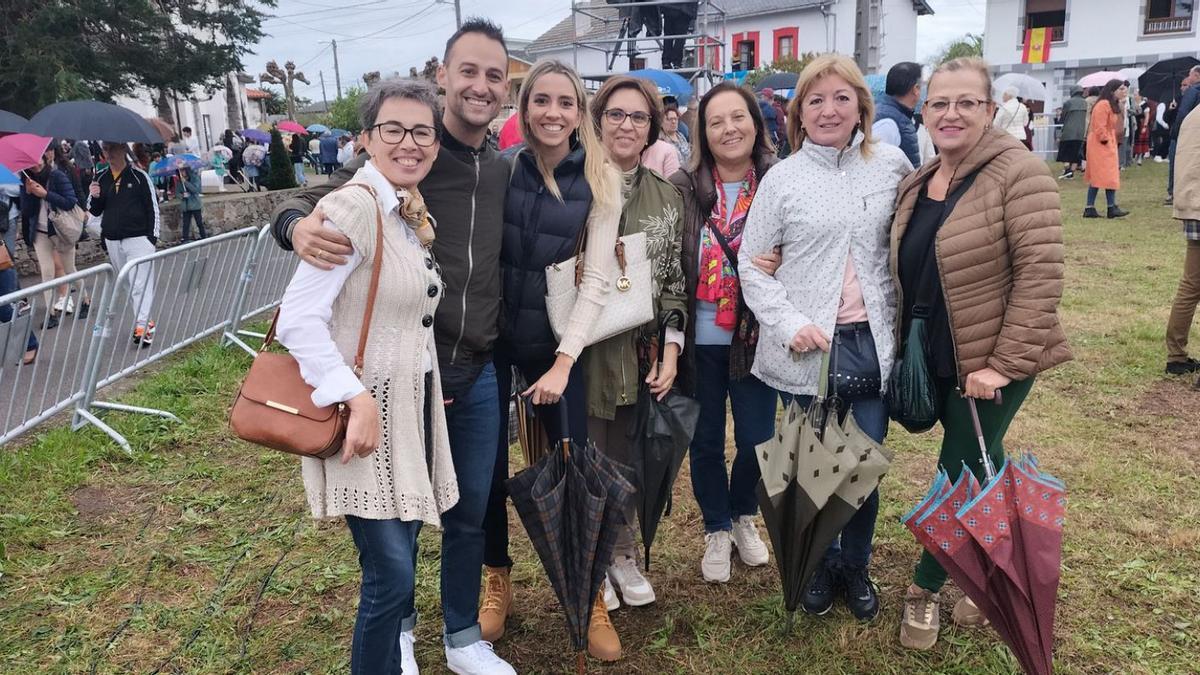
(724, 495)
(387, 553)
(473, 420)
(853, 549)
(1171, 168)
(1110, 196)
(11, 283)
(495, 526)
(299, 172)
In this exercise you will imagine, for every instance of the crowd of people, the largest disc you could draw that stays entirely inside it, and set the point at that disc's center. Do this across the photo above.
(763, 264)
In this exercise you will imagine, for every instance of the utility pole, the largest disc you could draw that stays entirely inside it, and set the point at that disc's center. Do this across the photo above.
(321, 74)
(337, 73)
(457, 10)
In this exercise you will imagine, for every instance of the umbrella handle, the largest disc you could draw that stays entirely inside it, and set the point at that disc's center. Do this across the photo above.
(989, 469)
(564, 421)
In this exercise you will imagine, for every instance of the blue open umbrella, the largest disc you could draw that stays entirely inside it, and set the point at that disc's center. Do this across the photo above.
(12, 123)
(256, 135)
(668, 83)
(338, 133)
(317, 128)
(7, 177)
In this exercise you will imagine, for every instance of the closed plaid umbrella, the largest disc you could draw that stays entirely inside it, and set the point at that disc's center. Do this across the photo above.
(1002, 544)
(661, 434)
(571, 503)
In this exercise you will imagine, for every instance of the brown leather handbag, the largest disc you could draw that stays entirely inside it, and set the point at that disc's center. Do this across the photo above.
(274, 407)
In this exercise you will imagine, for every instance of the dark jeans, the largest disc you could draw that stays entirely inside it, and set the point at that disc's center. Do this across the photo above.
(1171, 167)
(853, 548)
(186, 231)
(495, 523)
(960, 446)
(387, 553)
(472, 420)
(1110, 196)
(724, 495)
(11, 283)
(328, 168)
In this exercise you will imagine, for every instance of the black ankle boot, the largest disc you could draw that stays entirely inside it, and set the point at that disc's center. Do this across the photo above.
(1091, 212)
(1116, 212)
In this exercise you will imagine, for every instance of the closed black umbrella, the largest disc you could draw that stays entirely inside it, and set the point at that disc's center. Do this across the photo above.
(661, 435)
(572, 503)
(1161, 81)
(12, 123)
(93, 121)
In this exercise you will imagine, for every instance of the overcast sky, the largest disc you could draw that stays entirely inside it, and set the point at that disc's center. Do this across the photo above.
(393, 35)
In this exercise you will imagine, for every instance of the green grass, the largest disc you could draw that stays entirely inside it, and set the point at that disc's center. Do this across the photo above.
(196, 554)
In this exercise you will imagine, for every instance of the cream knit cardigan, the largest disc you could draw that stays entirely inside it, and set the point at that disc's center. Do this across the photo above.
(403, 479)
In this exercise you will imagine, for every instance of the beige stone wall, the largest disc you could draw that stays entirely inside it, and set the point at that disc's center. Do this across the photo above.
(222, 213)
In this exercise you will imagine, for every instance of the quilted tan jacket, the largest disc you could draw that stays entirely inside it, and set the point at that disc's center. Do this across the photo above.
(1000, 259)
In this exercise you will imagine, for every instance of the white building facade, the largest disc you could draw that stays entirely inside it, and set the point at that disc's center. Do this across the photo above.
(1088, 36)
(754, 33)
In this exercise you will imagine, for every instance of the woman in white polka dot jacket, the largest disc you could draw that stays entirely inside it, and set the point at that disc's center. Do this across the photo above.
(829, 207)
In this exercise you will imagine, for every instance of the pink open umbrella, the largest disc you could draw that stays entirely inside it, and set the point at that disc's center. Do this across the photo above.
(1100, 79)
(22, 151)
(291, 127)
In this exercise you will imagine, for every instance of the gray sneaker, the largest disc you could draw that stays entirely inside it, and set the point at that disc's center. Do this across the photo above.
(919, 623)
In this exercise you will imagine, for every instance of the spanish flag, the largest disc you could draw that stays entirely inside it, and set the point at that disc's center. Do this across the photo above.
(1037, 46)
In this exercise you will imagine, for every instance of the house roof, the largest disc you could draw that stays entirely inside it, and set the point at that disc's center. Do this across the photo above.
(605, 23)
(256, 94)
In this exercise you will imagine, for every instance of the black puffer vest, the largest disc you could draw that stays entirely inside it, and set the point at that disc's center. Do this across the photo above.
(539, 230)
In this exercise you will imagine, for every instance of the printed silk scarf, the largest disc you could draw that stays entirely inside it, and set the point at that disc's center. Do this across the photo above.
(718, 282)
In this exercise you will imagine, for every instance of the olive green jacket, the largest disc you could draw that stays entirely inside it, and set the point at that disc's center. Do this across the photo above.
(612, 368)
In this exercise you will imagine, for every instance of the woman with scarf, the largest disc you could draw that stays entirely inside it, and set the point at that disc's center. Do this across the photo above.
(732, 154)
(628, 114)
(829, 205)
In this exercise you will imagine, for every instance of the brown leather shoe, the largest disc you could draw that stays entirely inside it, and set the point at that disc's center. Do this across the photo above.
(497, 602)
(603, 643)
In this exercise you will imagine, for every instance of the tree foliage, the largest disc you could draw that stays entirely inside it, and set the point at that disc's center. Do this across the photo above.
(59, 50)
(967, 45)
(788, 65)
(343, 113)
(282, 176)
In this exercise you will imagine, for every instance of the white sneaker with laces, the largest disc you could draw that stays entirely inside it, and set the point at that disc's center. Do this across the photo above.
(625, 574)
(750, 546)
(611, 602)
(715, 564)
(408, 657)
(60, 304)
(477, 658)
(70, 305)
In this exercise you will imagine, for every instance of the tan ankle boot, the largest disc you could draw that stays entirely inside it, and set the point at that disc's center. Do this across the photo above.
(603, 642)
(497, 602)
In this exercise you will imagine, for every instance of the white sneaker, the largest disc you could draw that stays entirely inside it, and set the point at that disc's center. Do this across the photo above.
(65, 303)
(750, 546)
(408, 656)
(715, 564)
(626, 576)
(477, 658)
(611, 602)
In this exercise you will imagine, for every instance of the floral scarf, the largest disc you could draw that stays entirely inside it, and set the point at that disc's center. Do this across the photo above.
(718, 282)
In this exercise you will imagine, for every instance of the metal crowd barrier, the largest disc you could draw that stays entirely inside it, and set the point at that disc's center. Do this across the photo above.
(183, 293)
(267, 273)
(30, 394)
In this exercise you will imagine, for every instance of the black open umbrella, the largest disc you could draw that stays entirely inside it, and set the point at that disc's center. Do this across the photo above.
(1161, 81)
(93, 121)
(572, 504)
(661, 434)
(12, 123)
(778, 81)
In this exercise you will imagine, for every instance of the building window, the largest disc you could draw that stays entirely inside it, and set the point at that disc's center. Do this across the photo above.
(1050, 14)
(785, 48)
(745, 56)
(1169, 16)
(637, 63)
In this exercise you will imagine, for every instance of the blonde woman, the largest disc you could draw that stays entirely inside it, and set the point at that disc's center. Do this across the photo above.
(829, 207)
(562, 187)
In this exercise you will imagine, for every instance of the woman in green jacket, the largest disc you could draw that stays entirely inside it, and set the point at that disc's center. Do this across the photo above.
(629, 115)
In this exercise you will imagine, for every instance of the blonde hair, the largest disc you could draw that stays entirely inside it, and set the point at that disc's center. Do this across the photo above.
(968, 63)
(599, 173)
(845, 68)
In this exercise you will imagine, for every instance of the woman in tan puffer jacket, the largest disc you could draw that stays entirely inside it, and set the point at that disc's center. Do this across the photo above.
(976, 244)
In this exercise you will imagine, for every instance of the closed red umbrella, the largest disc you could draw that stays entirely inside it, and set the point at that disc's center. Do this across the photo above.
(22, 151)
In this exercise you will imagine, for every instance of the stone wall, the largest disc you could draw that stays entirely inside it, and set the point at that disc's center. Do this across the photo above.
(222, 213)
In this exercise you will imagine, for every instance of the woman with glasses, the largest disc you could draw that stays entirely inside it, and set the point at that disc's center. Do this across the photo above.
(563, 188)
(976, 247)
(628, 114)
(829, 207)
(395, 471)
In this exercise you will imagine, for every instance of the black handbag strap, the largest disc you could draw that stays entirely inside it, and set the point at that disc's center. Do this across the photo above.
(929, 281)
(724, 244)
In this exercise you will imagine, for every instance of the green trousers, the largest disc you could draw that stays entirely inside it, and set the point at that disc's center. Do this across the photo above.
(959, 445)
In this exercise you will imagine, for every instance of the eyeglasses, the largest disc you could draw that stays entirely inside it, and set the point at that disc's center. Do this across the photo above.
(393, 133)
(616, 117)
(963, 105)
